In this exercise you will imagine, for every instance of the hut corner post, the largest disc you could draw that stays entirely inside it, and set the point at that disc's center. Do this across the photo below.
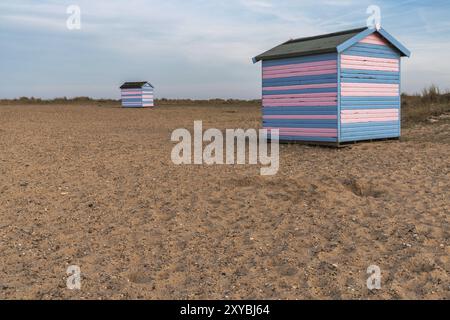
(338, 118)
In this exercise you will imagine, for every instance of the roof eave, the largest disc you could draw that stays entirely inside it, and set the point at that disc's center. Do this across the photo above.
(360, 36)
(405, 52)
(290, 55)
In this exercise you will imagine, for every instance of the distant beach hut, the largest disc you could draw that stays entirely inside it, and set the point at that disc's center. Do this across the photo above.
(137, 94)
(334, 88)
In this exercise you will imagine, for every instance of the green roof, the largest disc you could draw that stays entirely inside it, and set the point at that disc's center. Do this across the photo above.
(134, 85)
(312, 45)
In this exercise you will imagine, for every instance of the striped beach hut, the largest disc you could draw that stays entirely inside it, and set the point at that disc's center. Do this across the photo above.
(137, 94)
(334, 88)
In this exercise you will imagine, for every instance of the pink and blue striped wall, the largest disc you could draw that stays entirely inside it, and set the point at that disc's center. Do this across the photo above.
(300, 97)
(369, 90)
(334, 97)
(137, 98)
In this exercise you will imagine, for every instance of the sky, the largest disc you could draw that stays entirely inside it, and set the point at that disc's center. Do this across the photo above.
(196, 49)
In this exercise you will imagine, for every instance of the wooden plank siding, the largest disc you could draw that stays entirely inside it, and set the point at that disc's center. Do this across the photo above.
(137, 98)
(369, 84)
(299, 97)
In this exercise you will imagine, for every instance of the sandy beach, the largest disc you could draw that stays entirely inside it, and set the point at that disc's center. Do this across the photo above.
(94, 186)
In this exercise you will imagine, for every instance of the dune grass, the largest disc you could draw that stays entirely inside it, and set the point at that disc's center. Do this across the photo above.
(421, 107)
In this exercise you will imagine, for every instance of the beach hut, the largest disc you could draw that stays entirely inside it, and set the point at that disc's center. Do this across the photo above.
(137, 94)
(335, 88)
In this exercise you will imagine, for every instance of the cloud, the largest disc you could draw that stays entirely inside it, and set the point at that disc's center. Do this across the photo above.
(257, 3)
(193, 44)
